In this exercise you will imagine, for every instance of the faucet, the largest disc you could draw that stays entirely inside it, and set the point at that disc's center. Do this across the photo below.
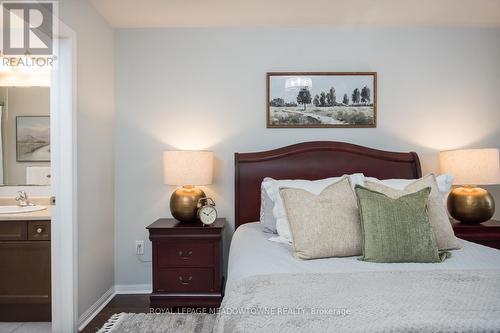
(22, 199)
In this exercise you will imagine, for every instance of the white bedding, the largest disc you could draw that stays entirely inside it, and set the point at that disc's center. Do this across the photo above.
(253, 254)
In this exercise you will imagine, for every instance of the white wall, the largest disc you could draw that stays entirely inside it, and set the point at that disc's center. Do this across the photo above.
(205, 89)
(95, 107)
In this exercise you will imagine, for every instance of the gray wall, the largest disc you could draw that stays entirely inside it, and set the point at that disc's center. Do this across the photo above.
(95, 159)
(22, 101)
(205, 89)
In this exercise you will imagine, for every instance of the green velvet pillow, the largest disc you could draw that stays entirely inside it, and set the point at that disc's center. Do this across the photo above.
(396, 230)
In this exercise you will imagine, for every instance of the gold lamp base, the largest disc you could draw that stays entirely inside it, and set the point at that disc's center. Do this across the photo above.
(470, 204)
(183, 203)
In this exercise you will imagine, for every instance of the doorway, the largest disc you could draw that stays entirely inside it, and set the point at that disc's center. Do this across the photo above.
(25, 214)
(60, 253)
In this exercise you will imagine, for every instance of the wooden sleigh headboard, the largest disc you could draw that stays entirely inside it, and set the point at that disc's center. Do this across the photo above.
(312, 160)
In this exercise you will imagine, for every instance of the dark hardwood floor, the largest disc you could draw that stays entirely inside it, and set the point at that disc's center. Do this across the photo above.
(120, 303)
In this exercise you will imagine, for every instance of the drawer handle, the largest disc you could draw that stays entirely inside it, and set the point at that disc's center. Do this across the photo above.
(184, 282)
(39, 230)
(185, 256)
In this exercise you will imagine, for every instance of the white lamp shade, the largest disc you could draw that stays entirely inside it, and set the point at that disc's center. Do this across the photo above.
(471, 166)
(187, 167)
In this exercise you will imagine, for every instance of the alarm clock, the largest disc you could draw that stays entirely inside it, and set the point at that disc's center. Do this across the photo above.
(207, 213)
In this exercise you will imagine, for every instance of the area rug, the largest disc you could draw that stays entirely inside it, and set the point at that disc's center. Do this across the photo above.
(159, 323)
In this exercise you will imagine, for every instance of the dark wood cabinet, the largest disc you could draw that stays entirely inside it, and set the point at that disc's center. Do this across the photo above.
(25, 287)
(487, 233)
(187, 264)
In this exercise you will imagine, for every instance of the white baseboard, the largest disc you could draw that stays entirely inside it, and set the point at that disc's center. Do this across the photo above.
(91, 312)
(133, 288)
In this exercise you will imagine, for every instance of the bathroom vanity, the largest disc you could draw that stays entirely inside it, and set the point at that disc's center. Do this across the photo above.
(25, 223)
(25, 285)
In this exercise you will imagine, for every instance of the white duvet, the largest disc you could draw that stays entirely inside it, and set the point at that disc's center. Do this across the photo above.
(253, 254)
(269, 290)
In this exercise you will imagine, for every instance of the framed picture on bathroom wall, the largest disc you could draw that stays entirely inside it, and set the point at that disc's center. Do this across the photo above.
(321, 99)
(33, 138)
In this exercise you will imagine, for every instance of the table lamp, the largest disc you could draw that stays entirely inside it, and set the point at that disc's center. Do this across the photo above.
(470, 167)
(187, 168)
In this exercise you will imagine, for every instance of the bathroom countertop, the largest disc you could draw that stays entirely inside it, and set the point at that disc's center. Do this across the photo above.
(30, 216)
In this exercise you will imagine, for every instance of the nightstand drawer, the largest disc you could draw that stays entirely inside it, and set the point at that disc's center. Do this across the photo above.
(186, 280)
(185, 253)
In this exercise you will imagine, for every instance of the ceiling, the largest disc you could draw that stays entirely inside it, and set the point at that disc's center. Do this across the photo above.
(298, 13)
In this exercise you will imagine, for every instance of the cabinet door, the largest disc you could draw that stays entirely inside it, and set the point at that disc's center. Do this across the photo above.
(25, 278)
(13, 231)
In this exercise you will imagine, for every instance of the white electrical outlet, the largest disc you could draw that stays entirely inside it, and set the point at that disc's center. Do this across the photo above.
(139, 247)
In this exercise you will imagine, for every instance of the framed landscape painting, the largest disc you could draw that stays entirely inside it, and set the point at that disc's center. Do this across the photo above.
(321, 99)
(33, 138)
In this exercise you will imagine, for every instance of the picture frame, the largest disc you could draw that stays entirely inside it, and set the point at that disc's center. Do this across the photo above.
(321, 99)
(33, 138)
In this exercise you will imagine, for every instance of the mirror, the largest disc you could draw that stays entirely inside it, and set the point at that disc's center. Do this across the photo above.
(25, 136)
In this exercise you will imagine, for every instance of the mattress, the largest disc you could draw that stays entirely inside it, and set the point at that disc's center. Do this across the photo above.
(252, 253)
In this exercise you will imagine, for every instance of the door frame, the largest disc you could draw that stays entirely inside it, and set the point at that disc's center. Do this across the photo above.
(64, 225)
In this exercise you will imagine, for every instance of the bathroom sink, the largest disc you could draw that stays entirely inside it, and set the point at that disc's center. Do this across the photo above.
(18, 209)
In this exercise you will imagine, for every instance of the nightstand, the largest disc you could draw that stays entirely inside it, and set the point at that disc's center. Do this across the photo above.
(187, 264)
(486, 233)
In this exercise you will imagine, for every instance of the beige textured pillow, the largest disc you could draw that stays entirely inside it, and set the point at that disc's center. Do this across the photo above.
(324, 225)
(441, 226)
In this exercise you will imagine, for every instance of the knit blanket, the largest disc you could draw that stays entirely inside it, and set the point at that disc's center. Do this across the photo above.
(432, 301)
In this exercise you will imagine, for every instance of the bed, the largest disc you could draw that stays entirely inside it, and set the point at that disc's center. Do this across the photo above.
(253, 254)
(268, 290)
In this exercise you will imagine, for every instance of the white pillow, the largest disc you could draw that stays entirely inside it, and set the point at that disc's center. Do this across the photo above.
(272, 188)
(444, 182)
(267, 219)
